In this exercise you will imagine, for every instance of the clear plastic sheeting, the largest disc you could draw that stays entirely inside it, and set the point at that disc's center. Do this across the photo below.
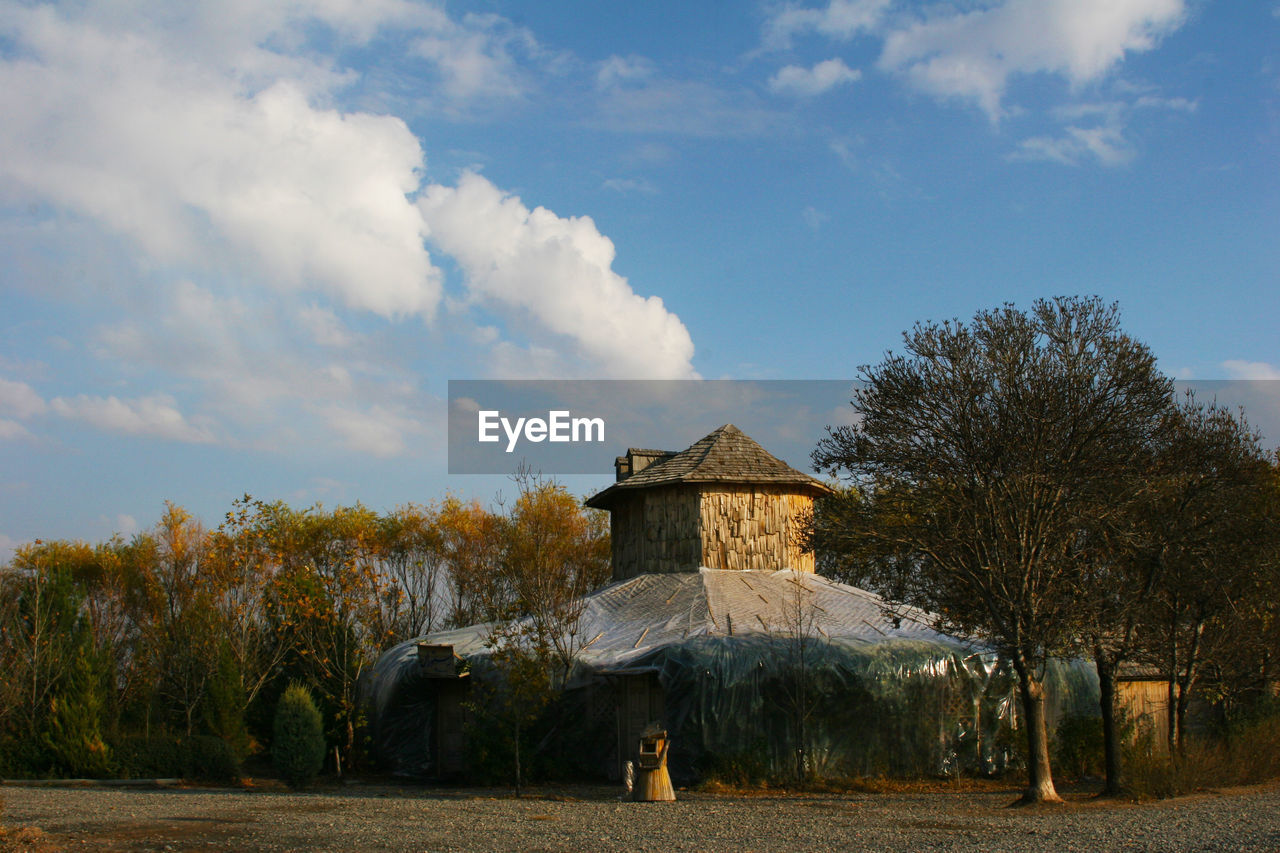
(759, 674)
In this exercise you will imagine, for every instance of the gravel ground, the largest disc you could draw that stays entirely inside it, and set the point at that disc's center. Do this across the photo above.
(591, 819)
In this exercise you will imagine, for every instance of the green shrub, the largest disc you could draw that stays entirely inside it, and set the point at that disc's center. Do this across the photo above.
(204, 758)
(159, 757)
(209, 758)
(297, 748)
(1078, 747)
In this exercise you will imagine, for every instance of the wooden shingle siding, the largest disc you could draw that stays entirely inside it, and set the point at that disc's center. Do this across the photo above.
(754, 527)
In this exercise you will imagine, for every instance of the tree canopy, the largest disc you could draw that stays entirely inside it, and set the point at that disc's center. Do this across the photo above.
(978, 458)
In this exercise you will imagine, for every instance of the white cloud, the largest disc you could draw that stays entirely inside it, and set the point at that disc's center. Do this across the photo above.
(7, 546)
(20, 399)
(840, 19)
(325, 327)
(260, 238)
(556, 274)
(1237, 369)
(622, 70)
(378, 431)
(184, 161)
(1185, 105)
(1105, 144)
(11, 430)
(262, 374)
(808, 82)
(972, 54)
(476, 58)
(155, 416)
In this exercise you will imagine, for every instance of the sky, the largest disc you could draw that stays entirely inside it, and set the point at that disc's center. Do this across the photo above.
(244, 246)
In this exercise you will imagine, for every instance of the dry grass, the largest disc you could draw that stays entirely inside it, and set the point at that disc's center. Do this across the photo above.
(25, 839)
(859, 785)
(1250, 755)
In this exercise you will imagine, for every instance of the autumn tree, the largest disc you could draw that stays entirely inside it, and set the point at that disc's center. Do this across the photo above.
(326, 600)
(245, 563)
(978, 456)
(471, 540)
(554, 553)
(410, 551)
(177, 615)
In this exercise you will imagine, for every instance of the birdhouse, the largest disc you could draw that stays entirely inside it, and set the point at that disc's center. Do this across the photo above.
(653, 782)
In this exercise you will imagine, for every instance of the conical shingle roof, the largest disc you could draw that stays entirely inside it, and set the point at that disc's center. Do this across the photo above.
(726, 455)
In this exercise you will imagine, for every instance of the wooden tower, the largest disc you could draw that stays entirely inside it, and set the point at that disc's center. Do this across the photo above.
(723, 503)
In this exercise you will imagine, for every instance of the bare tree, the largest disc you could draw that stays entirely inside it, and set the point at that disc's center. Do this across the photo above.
(978, 457)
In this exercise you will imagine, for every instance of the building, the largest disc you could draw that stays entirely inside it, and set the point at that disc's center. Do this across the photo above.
(723, 503)
(717, 629)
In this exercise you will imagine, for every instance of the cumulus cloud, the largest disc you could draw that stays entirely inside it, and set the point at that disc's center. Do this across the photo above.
(183, 161)
(8, 545)
(11, 430)
(263, 232)
(813, 217)
(808, 82)
(1237, 369)
(156, 416)
(557, 274)
(377, 431)
(972, 54)
(325, 327)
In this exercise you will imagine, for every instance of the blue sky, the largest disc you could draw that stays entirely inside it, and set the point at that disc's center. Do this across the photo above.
(244, 246)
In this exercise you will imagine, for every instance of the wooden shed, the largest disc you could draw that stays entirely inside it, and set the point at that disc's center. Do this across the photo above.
(723, 503)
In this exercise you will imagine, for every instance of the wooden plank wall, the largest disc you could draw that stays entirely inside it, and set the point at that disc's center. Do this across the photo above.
(656, 530)
(746, 527)
(1147, 704)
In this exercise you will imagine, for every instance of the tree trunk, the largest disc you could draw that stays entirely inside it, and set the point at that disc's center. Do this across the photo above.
(1110, 728)
(1040, 787)
(517, 748)
(1184, 701)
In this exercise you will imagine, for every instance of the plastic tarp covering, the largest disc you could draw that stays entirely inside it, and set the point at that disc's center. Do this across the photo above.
(753, 666)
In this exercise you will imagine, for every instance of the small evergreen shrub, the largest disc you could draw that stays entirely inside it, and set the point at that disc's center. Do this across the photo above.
(297, 748)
